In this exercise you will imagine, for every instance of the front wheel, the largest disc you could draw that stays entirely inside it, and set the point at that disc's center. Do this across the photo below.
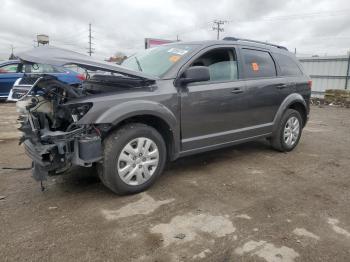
(288, 132)
(134, 156)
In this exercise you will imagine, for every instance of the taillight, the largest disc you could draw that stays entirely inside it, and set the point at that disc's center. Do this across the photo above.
(81, 77)
(309, 83)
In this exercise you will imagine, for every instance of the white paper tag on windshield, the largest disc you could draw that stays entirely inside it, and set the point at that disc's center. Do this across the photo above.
(177, 51)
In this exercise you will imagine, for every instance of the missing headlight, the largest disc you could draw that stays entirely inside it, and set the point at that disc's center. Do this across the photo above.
(79, 110)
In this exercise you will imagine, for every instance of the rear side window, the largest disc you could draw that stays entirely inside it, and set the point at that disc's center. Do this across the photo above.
(288, 66)
(258, 64)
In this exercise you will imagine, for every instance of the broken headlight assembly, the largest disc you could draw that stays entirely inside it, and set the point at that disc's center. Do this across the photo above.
(77, 111)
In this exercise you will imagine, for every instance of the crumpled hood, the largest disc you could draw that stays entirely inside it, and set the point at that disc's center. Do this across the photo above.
(59, 57)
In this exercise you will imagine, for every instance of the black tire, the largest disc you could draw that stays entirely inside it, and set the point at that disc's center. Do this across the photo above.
(277, 141)
(112, 147)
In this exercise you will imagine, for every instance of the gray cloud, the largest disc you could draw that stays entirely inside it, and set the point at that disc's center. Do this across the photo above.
(313, 27)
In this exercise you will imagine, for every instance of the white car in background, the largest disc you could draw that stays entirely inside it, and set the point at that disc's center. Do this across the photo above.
(19, 89)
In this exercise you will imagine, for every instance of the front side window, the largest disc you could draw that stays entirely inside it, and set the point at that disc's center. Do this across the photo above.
(288, 66)
(222, 64)
(12, 68)
(258, 64)
(158, 60)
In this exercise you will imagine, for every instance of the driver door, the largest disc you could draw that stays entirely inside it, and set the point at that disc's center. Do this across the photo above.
(211, 111)
(9, 73)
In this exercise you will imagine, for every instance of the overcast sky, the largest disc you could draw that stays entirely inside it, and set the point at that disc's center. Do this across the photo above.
(312, 27)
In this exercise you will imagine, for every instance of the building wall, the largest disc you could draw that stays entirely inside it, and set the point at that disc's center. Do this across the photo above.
(329, 72)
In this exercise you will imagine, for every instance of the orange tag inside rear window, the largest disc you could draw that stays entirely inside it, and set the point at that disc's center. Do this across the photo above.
(174, 58)
(255, 66)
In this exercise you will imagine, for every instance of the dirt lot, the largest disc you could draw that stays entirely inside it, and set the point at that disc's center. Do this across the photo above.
(244, 203)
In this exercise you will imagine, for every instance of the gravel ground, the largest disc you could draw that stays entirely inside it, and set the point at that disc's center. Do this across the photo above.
(243, 203)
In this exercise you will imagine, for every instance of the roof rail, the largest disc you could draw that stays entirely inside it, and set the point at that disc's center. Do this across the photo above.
(254, 41)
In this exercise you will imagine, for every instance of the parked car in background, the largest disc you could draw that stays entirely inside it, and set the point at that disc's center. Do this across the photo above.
(13, 70)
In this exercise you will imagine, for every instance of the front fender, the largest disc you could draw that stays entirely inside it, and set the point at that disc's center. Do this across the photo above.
(289, 100)
(128, 109)
(123, 111)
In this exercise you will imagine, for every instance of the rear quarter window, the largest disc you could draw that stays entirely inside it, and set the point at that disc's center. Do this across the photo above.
(287, 65)
(258, 64)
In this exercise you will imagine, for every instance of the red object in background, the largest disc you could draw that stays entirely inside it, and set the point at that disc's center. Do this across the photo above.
(309, 83)
(152, 42)
(81, 77)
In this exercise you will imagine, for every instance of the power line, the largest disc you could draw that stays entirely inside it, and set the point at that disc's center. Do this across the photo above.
(218, 28)
(319, 14)
(71, 38)
(310, 15)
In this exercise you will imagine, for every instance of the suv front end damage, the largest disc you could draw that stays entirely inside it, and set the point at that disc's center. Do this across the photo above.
(52, 137)
(50, 112)
(55, 152)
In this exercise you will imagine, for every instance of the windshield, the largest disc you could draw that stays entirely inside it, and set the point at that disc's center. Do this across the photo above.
(156, 61)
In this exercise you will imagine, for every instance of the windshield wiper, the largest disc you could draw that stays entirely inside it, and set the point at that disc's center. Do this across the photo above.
(138, 64)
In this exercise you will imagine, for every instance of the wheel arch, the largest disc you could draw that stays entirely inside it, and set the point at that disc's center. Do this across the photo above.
(157, 123)
(298, 106)
(293, 101)
(150, 113)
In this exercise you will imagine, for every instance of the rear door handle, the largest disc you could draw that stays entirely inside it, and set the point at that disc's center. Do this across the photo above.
(237, 91)
(281, 86)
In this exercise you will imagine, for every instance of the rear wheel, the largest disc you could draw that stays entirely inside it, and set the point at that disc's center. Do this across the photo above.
(289, 131)
(134, 156)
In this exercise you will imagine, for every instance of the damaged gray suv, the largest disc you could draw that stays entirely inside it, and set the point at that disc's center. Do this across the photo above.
(161, 104)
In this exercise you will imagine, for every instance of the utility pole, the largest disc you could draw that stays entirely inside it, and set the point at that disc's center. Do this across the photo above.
(347, 72)
(12, 56)
(218, 28)
(12, 48)
(90, 49)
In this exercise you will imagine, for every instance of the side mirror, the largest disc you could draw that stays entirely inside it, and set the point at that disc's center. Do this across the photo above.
(195, 74)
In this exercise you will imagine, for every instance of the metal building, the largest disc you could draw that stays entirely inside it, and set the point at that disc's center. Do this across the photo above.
(327, 72)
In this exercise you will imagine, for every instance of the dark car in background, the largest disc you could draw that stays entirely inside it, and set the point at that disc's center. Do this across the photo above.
(164, 103)
(12, 70)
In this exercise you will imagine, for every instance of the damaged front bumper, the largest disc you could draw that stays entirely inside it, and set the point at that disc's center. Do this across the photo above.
(62, 150)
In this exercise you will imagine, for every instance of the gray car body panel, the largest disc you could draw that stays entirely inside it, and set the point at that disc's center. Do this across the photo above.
(201, 116)
(61, 57)
(287, 102)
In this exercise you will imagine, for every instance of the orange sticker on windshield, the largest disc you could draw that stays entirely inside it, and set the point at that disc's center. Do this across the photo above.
(255, 66)
(174, 58)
